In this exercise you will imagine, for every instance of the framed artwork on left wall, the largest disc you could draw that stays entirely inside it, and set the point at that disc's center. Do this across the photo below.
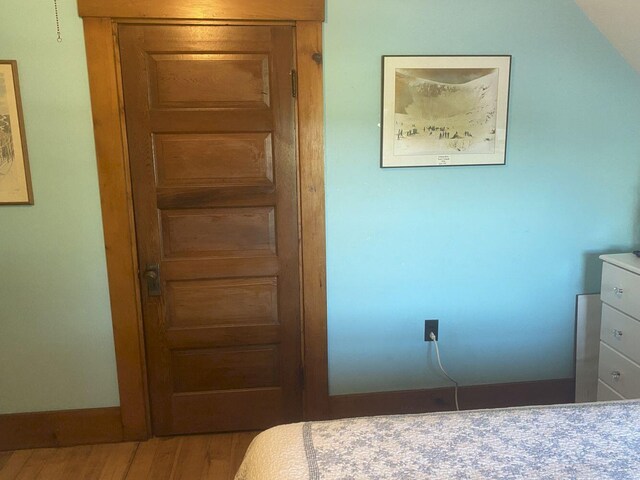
(442, 110)
(15, 178)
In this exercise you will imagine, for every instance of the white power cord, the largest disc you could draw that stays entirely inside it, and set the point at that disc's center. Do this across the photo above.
(455, 391)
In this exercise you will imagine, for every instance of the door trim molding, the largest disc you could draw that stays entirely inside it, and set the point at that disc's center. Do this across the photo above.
(119, 228)
(117, 219)
(312, 208)
(205, 9)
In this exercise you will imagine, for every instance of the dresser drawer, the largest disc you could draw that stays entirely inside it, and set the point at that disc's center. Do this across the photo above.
(620, 289)
(606, 393)
(618, 372)
(621, 332)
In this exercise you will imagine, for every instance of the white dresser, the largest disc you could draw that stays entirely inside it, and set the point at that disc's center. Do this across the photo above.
(619, 362)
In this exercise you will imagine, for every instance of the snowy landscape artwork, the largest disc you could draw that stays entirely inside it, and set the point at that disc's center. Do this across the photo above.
(444, 110)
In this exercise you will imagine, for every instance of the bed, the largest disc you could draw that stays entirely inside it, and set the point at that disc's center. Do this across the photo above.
(586, 441)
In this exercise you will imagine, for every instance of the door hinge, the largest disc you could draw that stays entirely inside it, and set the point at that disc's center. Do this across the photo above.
(294, 83)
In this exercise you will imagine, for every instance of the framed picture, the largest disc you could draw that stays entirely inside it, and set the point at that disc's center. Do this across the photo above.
(444, 110)
(15, 179)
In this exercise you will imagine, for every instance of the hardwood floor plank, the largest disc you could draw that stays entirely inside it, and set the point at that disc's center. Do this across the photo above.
(118, 461)
(92, 464)
(36, 463)
(165, 458)
(241, 442)
(143, 460)
(218, 455)
(95, 462)
(77, 458)
(14, 464)
(4, 458)
(54, 468)
(192, 460)
(198, 457)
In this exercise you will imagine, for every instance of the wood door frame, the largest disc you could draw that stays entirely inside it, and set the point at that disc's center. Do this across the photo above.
(101, 41)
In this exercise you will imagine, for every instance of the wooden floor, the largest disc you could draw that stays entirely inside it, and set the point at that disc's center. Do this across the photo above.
(214, 457)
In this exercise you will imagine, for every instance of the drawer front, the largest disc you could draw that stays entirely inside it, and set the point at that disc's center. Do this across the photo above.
(621, 289)
(621, 332)
(606, 393)
(618, 372)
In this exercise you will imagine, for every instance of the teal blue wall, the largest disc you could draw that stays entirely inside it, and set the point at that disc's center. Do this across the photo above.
(56, 340)
(496, 253)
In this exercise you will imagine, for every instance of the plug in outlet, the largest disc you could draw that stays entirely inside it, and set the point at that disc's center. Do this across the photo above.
(430, 326)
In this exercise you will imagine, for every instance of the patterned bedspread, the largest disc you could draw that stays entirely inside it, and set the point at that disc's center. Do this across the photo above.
(596, 441)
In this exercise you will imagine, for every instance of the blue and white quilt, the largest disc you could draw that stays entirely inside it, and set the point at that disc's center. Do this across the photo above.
(596, 441)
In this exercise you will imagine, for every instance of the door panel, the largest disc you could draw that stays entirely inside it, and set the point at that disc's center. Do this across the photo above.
(258, 406)
(218, 232)
(214, 159)
(225, 369)
(205, 80)
(210, 125)
(198, 303)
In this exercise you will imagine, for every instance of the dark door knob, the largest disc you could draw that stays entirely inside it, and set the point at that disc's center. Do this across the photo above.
(152, 276)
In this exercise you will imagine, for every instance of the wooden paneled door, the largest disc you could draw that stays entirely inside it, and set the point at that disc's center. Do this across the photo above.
(211, 134)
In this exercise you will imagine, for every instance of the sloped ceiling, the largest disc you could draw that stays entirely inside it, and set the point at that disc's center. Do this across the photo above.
(619, 21)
